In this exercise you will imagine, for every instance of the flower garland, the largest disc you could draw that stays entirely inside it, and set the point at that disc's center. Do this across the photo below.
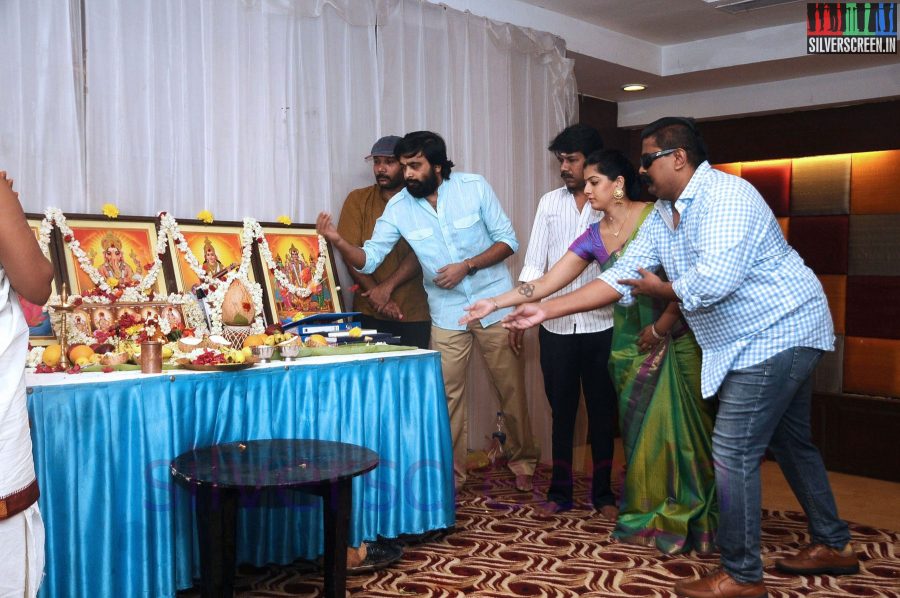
(214, 288)
(194, 317)
(255, 229)
(134, 293)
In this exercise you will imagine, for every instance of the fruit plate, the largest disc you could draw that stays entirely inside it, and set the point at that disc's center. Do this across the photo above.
(218, 367)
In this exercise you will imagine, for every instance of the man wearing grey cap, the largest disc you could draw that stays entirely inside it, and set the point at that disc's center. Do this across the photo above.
(392, 298)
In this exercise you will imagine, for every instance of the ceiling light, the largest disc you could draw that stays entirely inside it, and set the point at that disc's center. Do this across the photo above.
(634, 87)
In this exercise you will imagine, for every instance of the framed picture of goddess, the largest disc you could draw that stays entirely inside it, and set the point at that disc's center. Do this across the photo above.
(120, 251)
(215, 247)
(294, 252)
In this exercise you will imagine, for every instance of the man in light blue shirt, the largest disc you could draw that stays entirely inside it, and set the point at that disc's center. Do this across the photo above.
(461, 236)
(762, 320)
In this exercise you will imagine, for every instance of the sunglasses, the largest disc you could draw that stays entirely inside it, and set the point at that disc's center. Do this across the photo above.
(648, 159)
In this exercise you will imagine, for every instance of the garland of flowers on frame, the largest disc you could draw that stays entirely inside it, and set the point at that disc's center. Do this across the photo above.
(269, 262)
(135, 293)
(215, 288)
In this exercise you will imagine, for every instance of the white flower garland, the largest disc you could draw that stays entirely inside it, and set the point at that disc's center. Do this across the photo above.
(194, 317)
(215, 288)
(269, 262)
(133, 294)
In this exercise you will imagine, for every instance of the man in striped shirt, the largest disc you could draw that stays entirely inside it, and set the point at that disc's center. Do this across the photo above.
(762, 320)
(575, 348)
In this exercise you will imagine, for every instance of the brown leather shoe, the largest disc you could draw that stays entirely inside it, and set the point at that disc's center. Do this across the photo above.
(817, 559)
(719, 584)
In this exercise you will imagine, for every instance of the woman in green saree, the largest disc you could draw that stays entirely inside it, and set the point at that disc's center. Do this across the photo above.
(668, 499)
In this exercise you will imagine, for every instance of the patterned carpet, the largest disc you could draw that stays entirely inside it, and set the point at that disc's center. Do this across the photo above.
(501, 546)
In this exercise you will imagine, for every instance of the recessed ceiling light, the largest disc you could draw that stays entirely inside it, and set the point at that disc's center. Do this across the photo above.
(634, 87)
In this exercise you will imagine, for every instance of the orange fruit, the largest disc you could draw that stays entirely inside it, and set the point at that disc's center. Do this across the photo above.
(52, 355)
(254, 340)
(78, 351)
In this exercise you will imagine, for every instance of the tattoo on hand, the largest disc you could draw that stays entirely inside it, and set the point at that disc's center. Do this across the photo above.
(526, 289)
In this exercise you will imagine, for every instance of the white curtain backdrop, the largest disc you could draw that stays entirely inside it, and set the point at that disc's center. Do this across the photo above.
(244, 108)
(41, 130)
(266, 107)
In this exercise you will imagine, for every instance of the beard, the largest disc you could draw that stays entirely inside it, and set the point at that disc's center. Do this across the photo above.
(390, 183)
(424, 188)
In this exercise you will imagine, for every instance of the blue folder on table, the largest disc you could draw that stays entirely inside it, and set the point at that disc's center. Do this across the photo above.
(322, 323)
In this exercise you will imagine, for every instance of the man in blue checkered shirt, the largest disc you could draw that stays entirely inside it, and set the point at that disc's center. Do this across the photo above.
(762, 320)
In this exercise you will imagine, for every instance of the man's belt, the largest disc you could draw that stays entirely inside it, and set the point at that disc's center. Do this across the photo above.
(18, 501)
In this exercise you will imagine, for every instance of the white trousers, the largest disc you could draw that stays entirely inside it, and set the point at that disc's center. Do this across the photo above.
(22, 558)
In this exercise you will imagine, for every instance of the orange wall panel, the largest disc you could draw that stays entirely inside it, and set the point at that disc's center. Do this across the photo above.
(835, 286)
(872, 366)
(874, 181)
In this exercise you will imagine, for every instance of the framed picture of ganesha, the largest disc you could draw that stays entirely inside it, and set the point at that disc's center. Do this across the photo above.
(295, 252)
(120, 252)
(216, 248)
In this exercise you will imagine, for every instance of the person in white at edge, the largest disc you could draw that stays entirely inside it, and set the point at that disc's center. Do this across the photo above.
(461, 235)
(24, 272)
(575, 348)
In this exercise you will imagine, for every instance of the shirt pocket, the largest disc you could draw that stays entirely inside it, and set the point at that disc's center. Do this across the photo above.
(420, 234)
(466, 221)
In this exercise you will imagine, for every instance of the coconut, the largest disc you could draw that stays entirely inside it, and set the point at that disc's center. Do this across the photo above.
(188, 344)
(217, 341)
(237, 305)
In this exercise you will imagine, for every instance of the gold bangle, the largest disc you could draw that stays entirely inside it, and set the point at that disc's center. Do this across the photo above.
(655, 334)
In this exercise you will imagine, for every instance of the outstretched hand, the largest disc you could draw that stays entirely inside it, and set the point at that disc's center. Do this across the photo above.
(525, 316)
(325, 227)
(478, 310)
(649, 284)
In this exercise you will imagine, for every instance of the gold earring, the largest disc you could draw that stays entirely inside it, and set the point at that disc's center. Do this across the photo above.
(619, 196)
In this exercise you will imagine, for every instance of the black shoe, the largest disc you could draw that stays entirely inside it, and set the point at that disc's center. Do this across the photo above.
(379, 555)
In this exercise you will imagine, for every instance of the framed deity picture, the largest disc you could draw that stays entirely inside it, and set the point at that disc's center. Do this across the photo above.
(121, 251)
(40, 332)
(294, 252)
(216, 247)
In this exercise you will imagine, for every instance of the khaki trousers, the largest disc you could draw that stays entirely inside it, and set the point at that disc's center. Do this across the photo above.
(507, 375)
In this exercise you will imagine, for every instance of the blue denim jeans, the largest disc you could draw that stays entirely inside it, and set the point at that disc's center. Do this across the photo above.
(767, 405)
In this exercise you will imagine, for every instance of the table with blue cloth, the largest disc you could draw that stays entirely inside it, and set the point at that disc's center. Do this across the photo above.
(118, 525)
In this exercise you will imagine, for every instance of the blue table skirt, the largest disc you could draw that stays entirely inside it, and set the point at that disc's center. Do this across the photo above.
(118, 525)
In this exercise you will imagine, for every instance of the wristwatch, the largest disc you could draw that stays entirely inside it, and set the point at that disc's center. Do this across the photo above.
(472, 267)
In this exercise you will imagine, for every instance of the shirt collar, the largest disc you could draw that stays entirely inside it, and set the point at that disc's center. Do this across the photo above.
(688, 194)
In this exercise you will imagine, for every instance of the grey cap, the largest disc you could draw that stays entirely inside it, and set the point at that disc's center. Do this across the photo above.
(384, 146)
